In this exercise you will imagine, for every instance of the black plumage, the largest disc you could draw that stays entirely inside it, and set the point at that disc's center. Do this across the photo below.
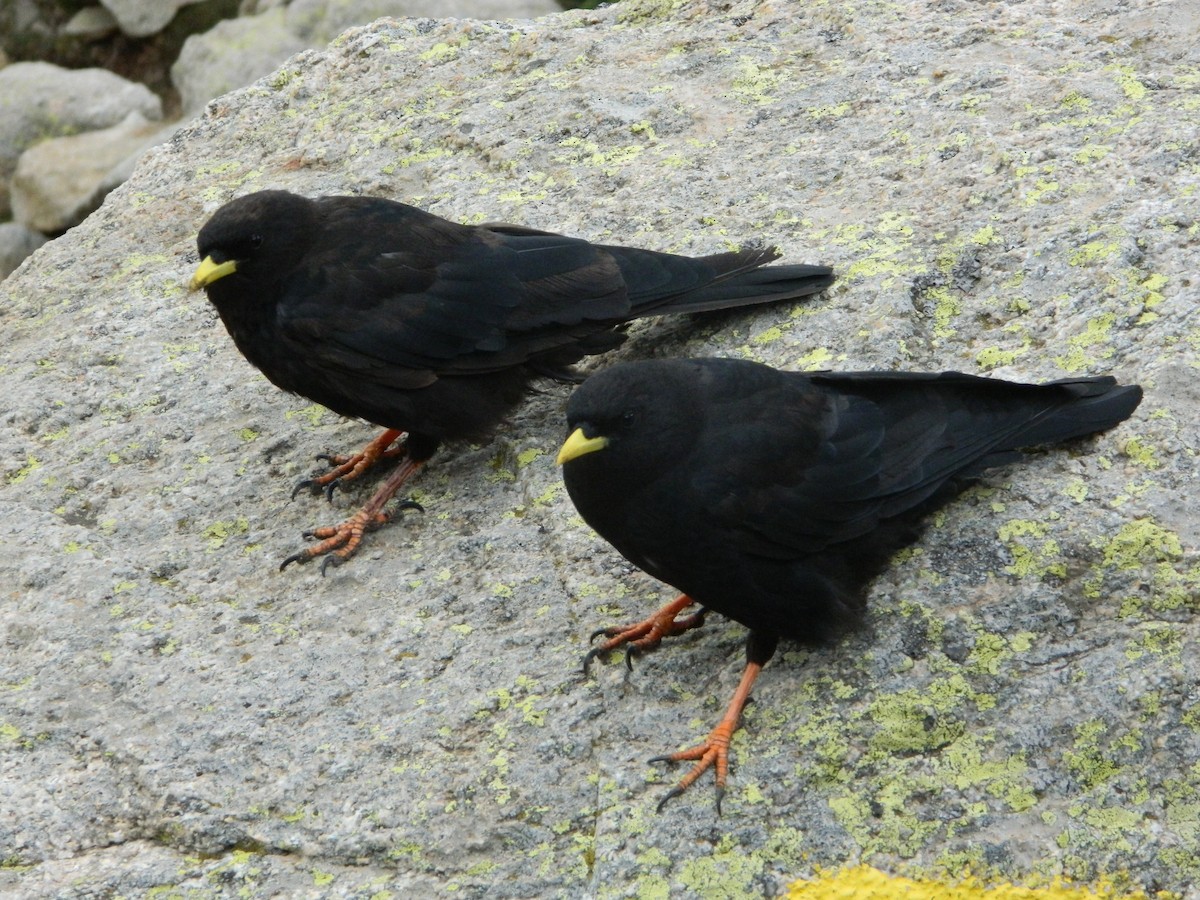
(775, 497)
(433, 329)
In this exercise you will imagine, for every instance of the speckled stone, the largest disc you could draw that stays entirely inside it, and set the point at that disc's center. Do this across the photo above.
(1006, 189)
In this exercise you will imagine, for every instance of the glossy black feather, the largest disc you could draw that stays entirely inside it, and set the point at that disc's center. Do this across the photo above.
(774, 497)
(381, 311)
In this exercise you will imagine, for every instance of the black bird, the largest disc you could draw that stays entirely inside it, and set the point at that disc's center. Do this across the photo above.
(775, 497)
(432, 329)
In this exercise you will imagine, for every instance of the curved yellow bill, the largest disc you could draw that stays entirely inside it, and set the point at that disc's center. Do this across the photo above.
(579, 444)
(208, 272)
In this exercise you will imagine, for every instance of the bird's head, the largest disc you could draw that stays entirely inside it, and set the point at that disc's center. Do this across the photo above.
(633, 421)
(258, 237)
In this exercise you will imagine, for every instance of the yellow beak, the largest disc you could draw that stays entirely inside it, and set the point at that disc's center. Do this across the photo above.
(208, 272)
(579, 444)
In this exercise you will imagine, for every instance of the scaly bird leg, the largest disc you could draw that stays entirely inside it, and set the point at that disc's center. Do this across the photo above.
(341, 541)
(648, 633)
(347, 468)
(714, 751)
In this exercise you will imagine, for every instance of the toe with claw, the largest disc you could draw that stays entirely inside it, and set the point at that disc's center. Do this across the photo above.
(646, 634)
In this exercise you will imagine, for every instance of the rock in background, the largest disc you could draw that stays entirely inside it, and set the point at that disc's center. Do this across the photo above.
(1007, 189)
(66, 135)
(39, 101)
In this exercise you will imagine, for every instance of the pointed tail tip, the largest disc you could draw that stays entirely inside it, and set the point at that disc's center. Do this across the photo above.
(1105, 406)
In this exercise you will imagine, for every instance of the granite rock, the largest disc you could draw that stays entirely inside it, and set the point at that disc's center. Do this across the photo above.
(142, 18)
(1010, 194)
(320, 21)
(39, 101)
(60, 181)
(16, 243)
(231, 54)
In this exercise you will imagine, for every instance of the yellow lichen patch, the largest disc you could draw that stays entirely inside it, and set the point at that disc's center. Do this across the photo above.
(1093, 252)
(815, 359)
(313, 413)
(947, 307)
(1128, 81)
(829, 112)
(1077, 490)
(985, 235)
(1141, 452)
(32, 464)
(991, 650)
(219, 532)
(1144, 544)
(1092, 153)
(525, 457)
(993, 357)
(1139, 542)
(1036, 558)
(867, 883)
(441, 52)
(883, 249)
(1041, 188)
(755, 83)
(1096, 333)
(1092, 764)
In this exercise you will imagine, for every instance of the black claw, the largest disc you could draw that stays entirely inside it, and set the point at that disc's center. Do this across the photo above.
(331, 487)
(720, 797)
(671, 795)
(660, 759)
(629, 655)
(328, 561)
(587, 660)
(294, 558)
(326, 458)
(600, 631)
(409, 504)
(306, 483)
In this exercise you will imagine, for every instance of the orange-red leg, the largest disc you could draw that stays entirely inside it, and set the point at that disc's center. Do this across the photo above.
(347, 468)
(715, 750)
(648, 633)
(339, 542)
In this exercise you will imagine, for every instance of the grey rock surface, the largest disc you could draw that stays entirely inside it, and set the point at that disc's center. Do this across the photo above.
(16, 243)
(1008, 188)
(232, 53)
(59, 182)
(39, 101)
(141, 18)
(320, 21)
(91, 23)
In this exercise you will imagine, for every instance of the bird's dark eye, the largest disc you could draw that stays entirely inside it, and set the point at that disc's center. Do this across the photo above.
(627, 417)
(255, 241)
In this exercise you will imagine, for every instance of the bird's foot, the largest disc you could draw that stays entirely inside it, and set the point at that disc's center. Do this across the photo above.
(646, 634)
(349, 467)
(337, 543)
(714, 751)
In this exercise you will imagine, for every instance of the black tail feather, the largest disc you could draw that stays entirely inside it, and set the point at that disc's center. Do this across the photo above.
(1102, 404)
(763, 285)
(664, 283)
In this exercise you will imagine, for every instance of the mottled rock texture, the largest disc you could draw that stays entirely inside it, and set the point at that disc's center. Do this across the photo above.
(1003, 188)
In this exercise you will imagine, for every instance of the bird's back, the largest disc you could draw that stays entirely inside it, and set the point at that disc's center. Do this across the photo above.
(776, 496)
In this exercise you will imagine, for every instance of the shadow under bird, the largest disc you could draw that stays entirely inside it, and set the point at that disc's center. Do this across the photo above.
(774, 497)
(432, 329)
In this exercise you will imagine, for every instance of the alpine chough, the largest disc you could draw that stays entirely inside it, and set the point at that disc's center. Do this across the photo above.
(774, 497)
(432, 329)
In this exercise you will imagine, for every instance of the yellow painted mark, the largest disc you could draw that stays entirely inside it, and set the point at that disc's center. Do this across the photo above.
(868, 883)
